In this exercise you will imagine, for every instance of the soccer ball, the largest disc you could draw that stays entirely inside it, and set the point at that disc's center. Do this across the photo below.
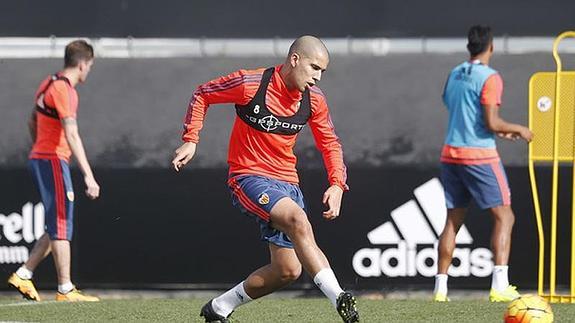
(528, 308)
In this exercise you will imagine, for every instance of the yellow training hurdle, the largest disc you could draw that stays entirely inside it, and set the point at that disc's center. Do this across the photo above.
(552, 120)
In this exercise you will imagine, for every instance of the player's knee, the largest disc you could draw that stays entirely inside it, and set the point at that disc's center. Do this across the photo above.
(511, 219)
(298, 224)
(290, 274)
(504, 215)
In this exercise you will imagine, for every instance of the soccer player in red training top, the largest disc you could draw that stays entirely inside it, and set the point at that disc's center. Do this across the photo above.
(55, 134)
(272, 106)
(470, 164)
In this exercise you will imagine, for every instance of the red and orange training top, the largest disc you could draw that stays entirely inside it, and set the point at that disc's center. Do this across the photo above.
(256, 152)
(50, 137)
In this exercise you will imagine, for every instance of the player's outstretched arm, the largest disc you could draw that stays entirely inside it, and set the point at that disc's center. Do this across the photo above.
(332, 199)
(183, 155)
(503, 128)
(75, 142)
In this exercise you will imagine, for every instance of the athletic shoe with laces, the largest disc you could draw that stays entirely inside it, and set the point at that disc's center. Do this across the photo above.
(439, 297)
(24, 286)
(346, 308)
(211, 316)
(507, 295)
(75, 296)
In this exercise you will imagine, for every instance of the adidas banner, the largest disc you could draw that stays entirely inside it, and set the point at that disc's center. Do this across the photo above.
(156, 228)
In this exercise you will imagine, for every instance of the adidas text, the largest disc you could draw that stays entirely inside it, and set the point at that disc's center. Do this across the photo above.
(406, 261)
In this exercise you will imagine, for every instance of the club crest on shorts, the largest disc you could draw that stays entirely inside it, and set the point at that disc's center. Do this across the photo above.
(264, 199)
(70, 196)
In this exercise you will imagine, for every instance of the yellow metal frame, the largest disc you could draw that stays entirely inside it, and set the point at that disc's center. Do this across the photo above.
(556, 159)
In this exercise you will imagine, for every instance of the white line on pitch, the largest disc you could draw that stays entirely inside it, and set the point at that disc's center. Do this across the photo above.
(28, 303)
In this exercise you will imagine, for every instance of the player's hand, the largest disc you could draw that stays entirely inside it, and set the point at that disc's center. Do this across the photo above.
(183, 155)
(92, 187)
(526, 134)
(332, 200)
(508, 135)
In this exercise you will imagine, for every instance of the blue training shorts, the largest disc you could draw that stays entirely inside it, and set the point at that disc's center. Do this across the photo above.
(53, 181)
(485, 183)
(256, 195)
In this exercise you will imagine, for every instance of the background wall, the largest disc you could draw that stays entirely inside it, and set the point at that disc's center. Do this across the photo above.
(387, 110)
(275, 18)
(155, 228)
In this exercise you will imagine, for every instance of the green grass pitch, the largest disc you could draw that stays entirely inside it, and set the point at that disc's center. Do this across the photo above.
(275, 310)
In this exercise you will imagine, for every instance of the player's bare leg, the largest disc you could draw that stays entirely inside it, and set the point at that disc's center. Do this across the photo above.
(61, 253)
(291, 219)
(40, 251)
(21, 280)
(66, 290)
(284, 269)
(455, 218)
(503, 220)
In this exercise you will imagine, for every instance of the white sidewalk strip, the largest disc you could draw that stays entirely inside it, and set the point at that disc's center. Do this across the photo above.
(52, 47)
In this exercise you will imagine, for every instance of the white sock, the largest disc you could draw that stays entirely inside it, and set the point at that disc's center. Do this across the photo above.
(230, 300)
(327, 283)
(24, 272)
(65, 288)
(440, 284)
(499, 279)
